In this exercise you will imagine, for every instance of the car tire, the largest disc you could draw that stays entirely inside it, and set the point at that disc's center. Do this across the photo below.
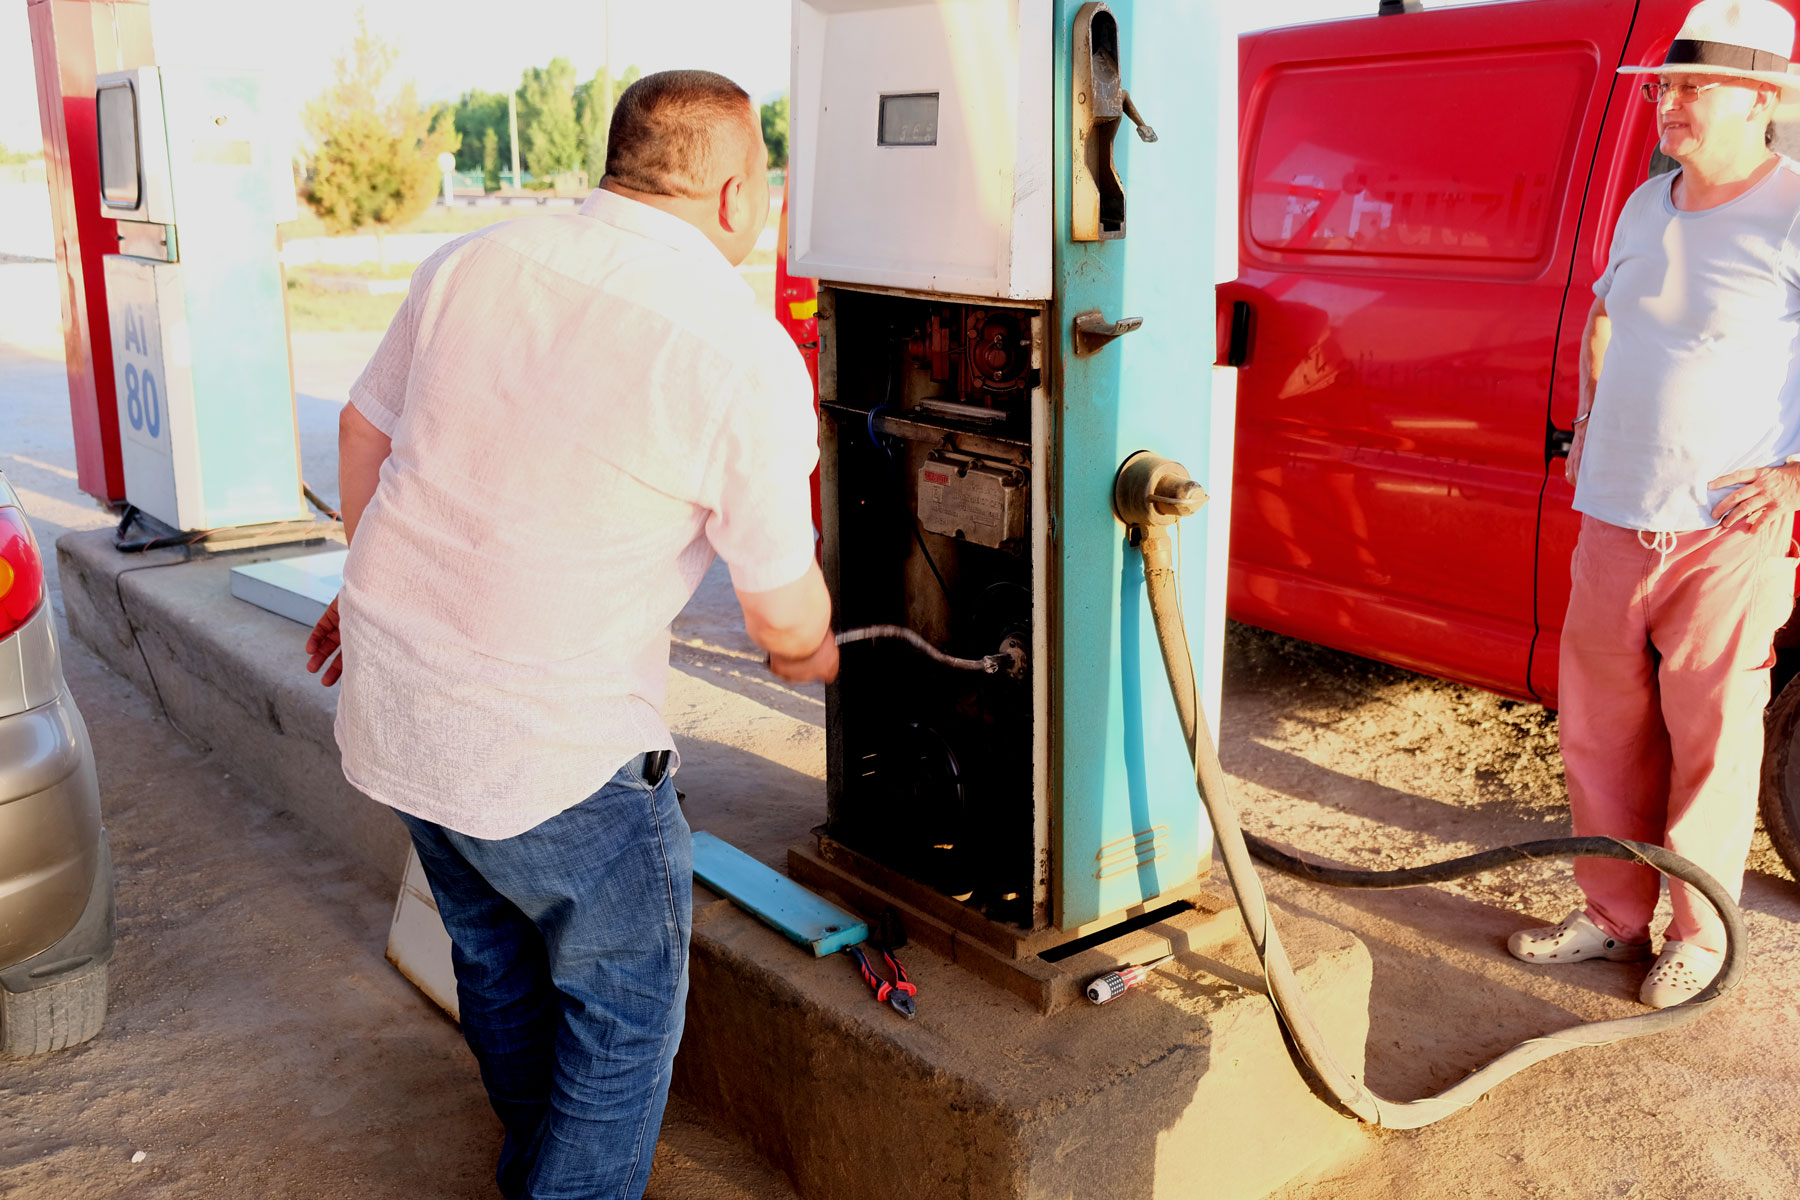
(1780, 795)
(54, 1017)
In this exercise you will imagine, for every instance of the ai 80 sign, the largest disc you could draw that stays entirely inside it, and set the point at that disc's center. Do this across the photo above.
(141, 387)
(140, 296)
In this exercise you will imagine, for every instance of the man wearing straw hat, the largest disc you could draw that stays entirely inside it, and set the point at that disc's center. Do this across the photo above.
(1687, 437)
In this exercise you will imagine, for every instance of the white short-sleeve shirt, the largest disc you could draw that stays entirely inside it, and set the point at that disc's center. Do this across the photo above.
(584, 408)
(1702, 375)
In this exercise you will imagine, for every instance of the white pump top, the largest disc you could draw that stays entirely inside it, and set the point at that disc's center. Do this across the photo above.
(920, 149)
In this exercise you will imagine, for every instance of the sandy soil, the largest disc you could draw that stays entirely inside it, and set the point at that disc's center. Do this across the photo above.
(1369, 765)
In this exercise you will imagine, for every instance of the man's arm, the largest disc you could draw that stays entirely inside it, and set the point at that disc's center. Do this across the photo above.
(793, 623)
(362, 449)
(1594, 339)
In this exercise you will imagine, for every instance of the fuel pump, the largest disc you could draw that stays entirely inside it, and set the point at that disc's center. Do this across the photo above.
(1016, 273)
(1018, 420)
(192, 173)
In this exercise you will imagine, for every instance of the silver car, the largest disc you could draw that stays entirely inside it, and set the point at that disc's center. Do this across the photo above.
(56, 896)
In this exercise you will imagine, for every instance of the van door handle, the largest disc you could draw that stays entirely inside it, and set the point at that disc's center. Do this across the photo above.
(1238, 338)
(1557, 442)
(1093, 332)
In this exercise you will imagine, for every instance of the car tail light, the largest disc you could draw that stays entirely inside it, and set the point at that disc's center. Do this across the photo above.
(21, 571)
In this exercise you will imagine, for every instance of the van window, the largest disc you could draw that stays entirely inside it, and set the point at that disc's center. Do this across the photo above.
(1447, 163)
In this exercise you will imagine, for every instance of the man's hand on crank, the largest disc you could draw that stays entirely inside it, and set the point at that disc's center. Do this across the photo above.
(821, 666)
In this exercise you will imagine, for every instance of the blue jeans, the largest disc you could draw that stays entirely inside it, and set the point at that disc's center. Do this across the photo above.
(571, 945)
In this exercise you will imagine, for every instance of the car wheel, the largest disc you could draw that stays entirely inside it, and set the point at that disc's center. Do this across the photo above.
(54, 1017)
(1780, 798)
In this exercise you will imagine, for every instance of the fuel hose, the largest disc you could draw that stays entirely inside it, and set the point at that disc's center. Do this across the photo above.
(1237, 849)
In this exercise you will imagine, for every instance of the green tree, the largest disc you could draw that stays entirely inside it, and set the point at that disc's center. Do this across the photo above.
(549, 134)
(11, 157)
(476, 113)
(775, 131)
(490, 159)
(374, 164)
(594, 117)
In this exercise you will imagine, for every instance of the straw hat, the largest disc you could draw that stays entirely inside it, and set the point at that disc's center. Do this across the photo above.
(1747, 39)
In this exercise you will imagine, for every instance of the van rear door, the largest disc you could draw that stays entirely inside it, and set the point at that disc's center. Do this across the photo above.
(1412, 189)
(1626, 158)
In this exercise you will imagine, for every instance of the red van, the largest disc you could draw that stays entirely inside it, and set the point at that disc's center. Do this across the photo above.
(1427, 199)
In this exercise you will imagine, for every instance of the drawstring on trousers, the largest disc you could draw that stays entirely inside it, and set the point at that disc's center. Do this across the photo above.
(1662, 543)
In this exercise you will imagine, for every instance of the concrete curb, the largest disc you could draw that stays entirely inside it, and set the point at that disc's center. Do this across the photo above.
(227, 674)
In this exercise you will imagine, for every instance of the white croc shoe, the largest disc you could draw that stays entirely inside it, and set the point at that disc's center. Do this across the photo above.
(1681, 971)
(1575, 940)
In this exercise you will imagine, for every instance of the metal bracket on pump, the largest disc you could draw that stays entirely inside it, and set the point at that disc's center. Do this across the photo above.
(1097, 200)
(1093, 332)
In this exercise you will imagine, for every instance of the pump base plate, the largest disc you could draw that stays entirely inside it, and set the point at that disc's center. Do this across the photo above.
(1048, 968)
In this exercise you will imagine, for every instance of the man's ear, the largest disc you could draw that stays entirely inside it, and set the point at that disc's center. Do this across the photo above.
(734, 208)
(1768, 99)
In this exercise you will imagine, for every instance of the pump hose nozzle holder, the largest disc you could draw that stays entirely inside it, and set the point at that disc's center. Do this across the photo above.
(1150, 493)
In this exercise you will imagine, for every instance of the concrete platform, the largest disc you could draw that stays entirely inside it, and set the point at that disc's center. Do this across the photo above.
(1182, 1088)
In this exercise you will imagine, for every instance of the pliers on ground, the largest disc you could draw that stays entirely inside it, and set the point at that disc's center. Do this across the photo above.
(899, 993)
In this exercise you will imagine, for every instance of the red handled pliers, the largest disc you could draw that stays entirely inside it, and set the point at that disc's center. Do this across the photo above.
(899, 993)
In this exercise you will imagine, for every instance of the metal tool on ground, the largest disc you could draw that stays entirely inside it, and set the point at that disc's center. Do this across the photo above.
(899, 993)
(1114, 984)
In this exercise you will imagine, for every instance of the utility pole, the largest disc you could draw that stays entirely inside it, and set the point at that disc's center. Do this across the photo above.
(512, 120)
(606, 69)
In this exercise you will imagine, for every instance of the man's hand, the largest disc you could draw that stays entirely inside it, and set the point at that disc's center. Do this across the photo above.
(1572, 464)
(322, 644)
(821, 666)
(1766, 492)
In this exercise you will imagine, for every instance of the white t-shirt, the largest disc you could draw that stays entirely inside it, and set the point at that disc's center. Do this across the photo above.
(583, 408)
(1702, 376)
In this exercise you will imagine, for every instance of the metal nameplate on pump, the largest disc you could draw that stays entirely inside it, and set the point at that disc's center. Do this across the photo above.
(972, 500)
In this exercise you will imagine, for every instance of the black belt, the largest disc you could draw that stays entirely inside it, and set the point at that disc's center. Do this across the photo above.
(656, 765)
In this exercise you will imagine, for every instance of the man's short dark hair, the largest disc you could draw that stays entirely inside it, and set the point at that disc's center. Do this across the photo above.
(673, 131)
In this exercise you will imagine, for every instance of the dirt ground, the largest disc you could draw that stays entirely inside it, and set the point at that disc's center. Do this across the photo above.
(1373, 766)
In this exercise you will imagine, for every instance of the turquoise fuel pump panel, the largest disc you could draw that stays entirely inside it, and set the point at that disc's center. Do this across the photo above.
(1128, 826)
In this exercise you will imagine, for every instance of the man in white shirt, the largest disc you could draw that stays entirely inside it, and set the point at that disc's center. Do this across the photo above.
(567, 419)
(1688, 421)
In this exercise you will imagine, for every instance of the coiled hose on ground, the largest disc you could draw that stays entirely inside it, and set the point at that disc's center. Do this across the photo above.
(1237, 848)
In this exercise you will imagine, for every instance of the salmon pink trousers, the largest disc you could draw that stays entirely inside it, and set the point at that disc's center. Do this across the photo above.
(1664, 677)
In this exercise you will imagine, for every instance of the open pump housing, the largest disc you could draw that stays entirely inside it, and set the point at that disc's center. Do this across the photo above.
(993, 347)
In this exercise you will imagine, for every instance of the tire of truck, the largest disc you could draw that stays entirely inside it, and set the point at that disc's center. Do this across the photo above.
(1780, 794)
(54, 1017)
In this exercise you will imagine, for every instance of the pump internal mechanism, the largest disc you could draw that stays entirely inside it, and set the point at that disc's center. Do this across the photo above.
(927, 488)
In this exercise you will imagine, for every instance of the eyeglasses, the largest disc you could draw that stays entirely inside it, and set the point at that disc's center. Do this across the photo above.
(1685, 93)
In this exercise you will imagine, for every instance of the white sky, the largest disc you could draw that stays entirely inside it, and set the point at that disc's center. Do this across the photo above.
(449, 46)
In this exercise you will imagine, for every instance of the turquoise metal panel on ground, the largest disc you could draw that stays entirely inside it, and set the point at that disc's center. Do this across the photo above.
(1128, 825)
(772, 898)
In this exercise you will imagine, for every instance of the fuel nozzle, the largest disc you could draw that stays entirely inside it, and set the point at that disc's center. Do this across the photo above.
(1150, 491)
